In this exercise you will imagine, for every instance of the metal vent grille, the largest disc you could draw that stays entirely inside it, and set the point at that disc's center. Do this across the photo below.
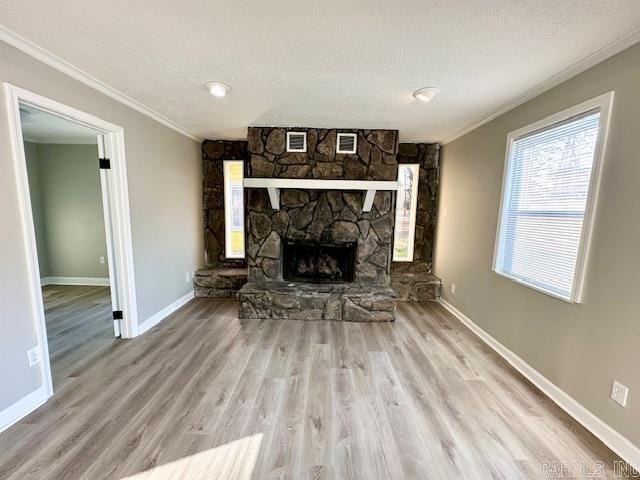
(347, 143)
(296, 141)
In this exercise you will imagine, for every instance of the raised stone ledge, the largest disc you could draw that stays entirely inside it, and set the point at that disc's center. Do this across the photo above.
(307, 301)
(219, 282)
(414, 282)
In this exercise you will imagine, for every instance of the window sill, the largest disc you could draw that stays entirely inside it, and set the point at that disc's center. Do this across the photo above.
(550, 293)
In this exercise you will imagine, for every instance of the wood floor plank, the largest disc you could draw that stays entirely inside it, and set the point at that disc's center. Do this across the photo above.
(347, 458)
(318, 413)
(206, 395)
(286, 447)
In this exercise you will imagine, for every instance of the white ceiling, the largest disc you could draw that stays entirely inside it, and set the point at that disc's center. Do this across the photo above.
(330, 63)
(42, 127)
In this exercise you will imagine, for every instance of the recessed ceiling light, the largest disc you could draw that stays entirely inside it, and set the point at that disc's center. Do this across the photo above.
(218, 89)
(426, 94)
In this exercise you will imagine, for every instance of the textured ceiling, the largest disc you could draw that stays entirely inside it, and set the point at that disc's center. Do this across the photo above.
(42, 127)
(325, 63)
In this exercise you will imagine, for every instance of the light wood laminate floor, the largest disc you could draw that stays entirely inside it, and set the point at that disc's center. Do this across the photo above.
(79, 328)
(207, 396)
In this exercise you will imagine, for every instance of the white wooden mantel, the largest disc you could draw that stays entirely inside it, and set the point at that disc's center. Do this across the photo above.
(274, 185)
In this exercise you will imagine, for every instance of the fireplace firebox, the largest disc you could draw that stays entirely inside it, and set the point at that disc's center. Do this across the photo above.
(313, 262)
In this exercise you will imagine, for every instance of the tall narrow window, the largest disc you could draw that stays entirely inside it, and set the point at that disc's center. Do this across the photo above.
(233, 209)
(548, 195)
(406, 205)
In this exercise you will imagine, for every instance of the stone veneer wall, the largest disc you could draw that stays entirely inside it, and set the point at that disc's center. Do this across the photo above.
(213, 154)
(428, 156)
(375, 158)
(325, 216)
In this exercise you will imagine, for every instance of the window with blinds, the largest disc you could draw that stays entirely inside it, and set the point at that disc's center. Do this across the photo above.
(546, 202)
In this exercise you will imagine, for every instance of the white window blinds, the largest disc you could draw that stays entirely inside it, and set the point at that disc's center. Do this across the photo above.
(545, 199)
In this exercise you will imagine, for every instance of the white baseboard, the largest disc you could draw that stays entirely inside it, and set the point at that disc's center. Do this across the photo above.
(87, 281)
(22, 408)
(157, 317)
(611, 438)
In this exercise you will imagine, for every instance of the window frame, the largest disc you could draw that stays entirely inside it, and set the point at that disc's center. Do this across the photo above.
(226, 183)
(603, 104)
(413, 211)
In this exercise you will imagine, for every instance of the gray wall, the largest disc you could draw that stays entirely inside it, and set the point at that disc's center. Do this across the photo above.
(35, 189)
(165, 193)
(581, 348)
(67, 209)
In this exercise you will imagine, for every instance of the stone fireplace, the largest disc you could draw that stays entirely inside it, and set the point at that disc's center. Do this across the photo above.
(320, 255)
(319, 218)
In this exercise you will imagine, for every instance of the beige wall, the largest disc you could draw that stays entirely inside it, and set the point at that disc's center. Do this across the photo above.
(581, 348)
(67, 208)
(165, 192)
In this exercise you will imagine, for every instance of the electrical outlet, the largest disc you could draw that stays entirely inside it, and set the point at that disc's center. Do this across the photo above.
(619, 393)
(453, 289)
(33, 356)
(186, 277)
(444, 212)
(101, 259)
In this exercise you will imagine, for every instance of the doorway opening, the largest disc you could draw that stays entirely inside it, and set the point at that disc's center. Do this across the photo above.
(75, 209)
(66, 204)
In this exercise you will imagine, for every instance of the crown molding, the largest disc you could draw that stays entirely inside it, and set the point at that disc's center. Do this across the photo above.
(600, 55)
(26, 46)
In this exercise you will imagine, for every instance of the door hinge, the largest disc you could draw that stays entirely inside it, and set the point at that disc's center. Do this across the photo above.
(117, 314)
(105, 163)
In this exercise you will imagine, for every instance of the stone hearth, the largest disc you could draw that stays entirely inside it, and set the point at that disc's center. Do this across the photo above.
(306, 301)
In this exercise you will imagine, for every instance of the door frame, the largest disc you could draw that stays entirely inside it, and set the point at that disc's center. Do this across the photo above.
(116, 211)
